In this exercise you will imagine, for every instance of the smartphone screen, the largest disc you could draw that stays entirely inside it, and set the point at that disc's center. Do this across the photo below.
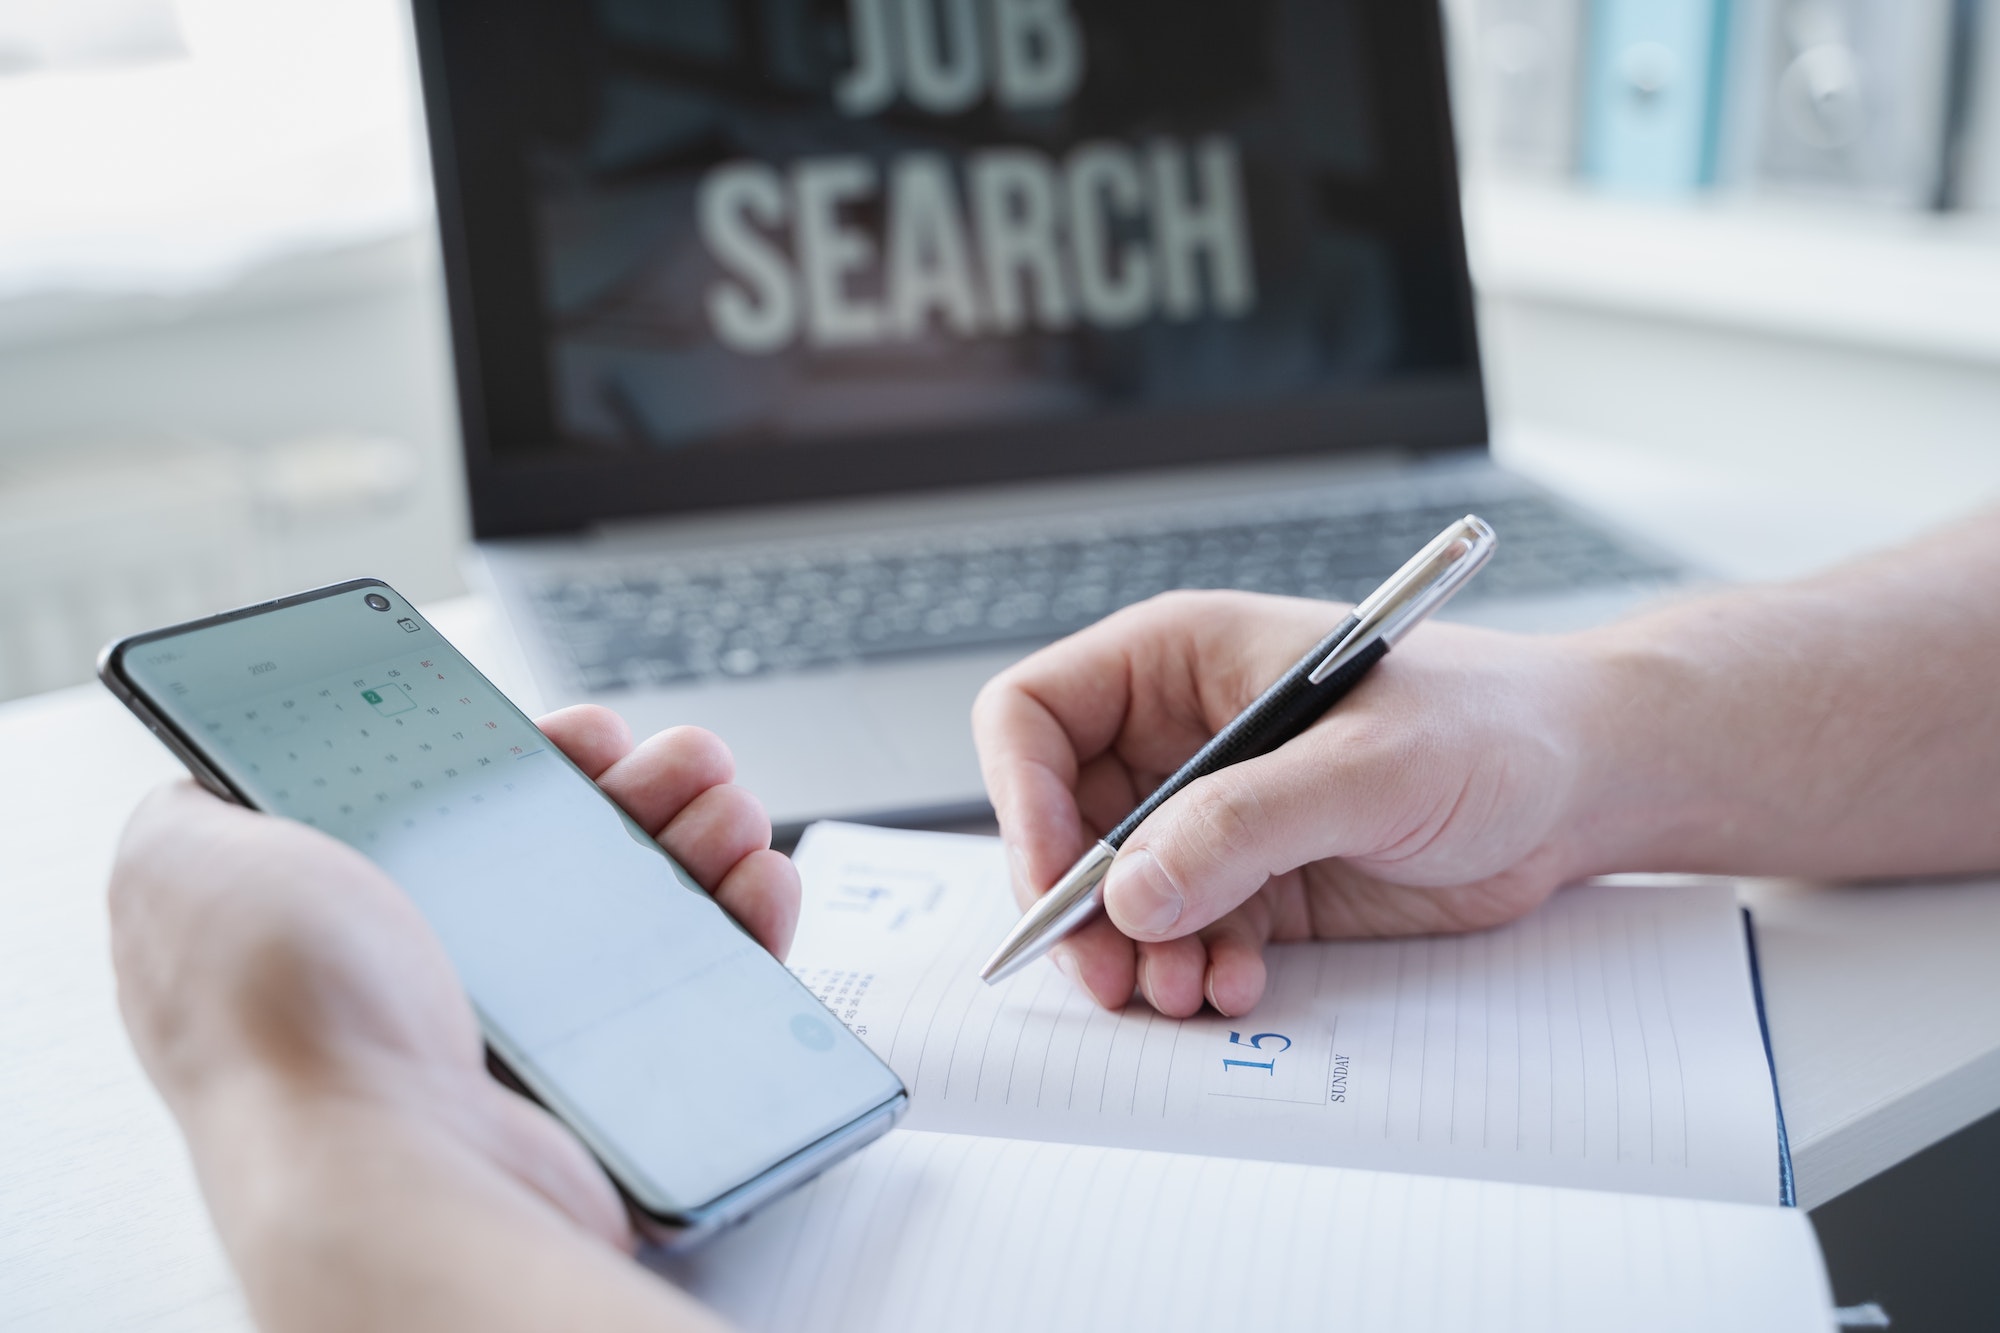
(686, 1056)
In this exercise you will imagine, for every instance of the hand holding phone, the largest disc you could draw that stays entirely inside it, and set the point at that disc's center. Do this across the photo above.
(700, 1073)
(325, 979)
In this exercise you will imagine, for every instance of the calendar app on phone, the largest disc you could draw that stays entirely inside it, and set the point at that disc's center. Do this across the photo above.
(369, 753)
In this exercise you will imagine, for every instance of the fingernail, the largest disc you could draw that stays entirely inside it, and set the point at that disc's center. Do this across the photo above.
(1066, 964)
(1146, 900)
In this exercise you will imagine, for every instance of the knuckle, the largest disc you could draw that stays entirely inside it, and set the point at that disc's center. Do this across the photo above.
(1163, 614)
(1012, 694)
(991, 700)
(1374, 744)
(747, 820)
(751, 807)
(1177, 601)
(1218, 832)
(609, 721)
(1182, 605)
(699, 747)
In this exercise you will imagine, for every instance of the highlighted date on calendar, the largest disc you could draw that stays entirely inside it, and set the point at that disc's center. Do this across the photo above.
(389, 700)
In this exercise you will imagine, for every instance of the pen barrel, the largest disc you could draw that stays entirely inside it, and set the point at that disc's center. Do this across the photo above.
(1288, 707)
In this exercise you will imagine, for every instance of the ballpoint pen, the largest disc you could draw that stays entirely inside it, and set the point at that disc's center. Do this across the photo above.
(1294, 702)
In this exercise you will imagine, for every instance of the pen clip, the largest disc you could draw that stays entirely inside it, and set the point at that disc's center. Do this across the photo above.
(1420, 587)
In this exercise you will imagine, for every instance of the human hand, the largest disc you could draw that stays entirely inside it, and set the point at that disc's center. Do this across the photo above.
(1442, 794)
(259, 958)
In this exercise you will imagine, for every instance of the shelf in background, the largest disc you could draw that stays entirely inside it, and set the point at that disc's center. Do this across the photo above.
(1920, 284)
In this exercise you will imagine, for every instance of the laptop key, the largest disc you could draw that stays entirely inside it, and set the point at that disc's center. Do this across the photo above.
(624, 627)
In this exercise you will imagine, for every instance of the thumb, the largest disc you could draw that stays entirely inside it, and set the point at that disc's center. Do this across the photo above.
(1219, 840)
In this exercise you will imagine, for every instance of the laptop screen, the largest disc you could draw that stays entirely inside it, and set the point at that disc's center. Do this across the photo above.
(711, 252)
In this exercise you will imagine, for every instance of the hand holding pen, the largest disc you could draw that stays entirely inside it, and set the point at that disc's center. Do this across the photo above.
(1425, 802)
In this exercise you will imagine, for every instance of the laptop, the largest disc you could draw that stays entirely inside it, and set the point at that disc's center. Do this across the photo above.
(819, 358)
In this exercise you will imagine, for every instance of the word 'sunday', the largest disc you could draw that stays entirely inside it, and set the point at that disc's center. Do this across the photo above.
(1107, 235)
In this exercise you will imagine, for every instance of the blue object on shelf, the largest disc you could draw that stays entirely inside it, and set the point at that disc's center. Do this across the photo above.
(1653, 94)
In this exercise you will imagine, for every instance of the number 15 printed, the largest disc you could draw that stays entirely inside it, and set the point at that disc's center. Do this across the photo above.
(1257, 1042)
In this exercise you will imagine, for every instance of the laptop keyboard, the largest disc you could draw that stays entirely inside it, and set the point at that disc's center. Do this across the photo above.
(662, 624)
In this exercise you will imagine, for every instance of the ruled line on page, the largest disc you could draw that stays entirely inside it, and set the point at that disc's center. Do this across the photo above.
(926, 1231)
(1557, 1039)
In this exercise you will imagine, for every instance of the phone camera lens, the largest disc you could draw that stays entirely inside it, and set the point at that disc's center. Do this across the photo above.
(377, 600)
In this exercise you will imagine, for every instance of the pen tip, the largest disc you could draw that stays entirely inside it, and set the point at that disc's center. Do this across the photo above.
(1004, 963)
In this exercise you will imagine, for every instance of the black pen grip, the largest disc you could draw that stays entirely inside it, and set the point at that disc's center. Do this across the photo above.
(1281, 712)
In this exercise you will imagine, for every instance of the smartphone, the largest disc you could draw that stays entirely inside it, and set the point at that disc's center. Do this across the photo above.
(705, 1077)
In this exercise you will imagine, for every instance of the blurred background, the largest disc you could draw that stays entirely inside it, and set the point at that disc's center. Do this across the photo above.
(1741, 242)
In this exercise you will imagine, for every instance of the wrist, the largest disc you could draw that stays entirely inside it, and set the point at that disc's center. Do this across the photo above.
(256, 1141)
(308, 1185)
(1642, 799)
(273, 1142)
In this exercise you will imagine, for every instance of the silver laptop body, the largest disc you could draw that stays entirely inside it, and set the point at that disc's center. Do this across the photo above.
(888, 737)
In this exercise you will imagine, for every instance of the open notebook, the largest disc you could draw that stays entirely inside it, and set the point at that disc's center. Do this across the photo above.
(1568, 1122)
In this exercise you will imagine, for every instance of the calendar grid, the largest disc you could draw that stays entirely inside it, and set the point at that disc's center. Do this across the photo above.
(386, 747)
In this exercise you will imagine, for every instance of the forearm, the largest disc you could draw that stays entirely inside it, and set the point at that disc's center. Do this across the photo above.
(342, 1213)
(1848, 725)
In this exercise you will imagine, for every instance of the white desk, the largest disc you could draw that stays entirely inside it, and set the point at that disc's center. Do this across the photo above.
(1884, 1002)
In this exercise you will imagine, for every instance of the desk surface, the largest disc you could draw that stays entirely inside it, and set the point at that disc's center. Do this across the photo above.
(1884, 1003)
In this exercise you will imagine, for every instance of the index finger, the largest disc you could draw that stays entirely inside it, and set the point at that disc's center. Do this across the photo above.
(1035, 726)
(1147, 685)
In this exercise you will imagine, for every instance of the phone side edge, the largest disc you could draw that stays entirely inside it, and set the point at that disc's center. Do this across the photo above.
(111, 674)
(671, 1232)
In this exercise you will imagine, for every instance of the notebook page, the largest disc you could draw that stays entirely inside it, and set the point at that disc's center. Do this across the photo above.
(1609, 1040)
(950, 1231)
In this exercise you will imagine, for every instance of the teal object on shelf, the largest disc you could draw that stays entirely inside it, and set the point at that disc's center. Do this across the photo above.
(1653, 94)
